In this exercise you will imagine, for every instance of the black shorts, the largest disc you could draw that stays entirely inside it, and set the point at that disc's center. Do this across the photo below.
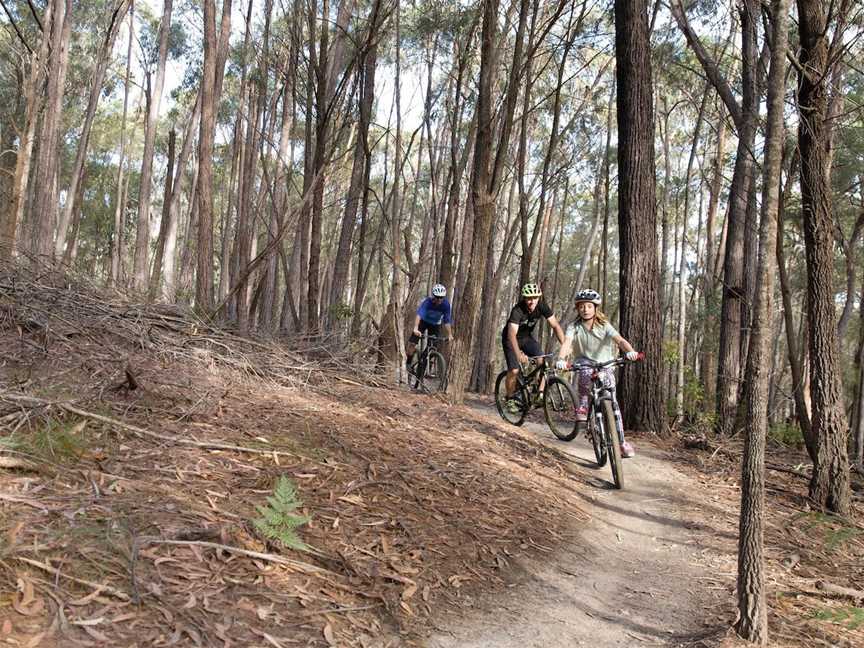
(528, 345)
(434, 329)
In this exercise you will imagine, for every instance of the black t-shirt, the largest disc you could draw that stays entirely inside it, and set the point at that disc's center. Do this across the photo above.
(527, 321)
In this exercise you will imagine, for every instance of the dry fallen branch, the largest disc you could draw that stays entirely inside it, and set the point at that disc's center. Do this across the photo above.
(840, 591)
(268, 557)
(141, 431)
(99, 587)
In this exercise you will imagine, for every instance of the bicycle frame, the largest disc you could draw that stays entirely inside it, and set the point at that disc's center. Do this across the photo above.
(599, 390)
(609, 430)
(532, 379)
(420, 368)
(599, 393)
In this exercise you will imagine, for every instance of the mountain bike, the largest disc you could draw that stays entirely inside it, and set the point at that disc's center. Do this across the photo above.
(602, 424)
(557, 398)
(429, 371)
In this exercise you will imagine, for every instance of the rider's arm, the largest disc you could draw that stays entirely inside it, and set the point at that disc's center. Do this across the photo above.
(417, 325)
(512, 329)
(559, 333)
(448, 331)
(623, 344)
(566, 347)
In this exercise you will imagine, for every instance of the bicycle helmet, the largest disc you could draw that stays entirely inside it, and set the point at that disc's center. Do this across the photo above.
(588, 295)
(531, 290)
(438, 290)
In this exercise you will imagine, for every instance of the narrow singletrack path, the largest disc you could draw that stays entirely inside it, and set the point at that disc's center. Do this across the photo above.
(649, 568)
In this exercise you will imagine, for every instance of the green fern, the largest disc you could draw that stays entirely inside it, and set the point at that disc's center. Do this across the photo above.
(851, 617)
(834, 533)
(279, 520)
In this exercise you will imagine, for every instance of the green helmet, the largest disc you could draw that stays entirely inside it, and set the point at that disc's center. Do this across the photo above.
(531, 290)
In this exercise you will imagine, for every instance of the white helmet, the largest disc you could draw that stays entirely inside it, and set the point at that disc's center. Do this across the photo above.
(438, 290)
(588, 295)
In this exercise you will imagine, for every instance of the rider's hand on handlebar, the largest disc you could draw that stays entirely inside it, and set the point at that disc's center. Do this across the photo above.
(632, 356)
(523, 359)
(417, 333)
(562, 364)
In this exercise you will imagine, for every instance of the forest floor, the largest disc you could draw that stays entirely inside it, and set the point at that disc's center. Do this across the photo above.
(138, 445)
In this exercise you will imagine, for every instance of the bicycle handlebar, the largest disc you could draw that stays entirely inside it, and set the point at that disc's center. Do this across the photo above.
(589, 364)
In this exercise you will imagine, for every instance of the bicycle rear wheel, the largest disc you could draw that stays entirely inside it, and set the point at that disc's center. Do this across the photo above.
(512, 409)
(559, 408)
(597, 440)
(434, 377)
(613, 444)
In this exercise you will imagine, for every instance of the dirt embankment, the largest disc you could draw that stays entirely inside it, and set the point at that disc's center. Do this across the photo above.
(138, 448)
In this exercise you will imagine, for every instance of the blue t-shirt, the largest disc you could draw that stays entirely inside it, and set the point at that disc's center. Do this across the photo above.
(433, 313)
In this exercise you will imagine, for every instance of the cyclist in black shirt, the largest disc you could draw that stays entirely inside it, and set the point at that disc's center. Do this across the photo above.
(517, 337)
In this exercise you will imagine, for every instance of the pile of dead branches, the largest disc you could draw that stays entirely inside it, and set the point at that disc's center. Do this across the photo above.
(57, 312)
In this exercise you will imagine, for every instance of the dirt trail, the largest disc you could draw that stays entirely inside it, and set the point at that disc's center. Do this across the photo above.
(643, 574)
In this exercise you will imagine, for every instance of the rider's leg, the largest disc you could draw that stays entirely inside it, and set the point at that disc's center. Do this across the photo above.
(532, 349)
(582, 378)
(411, 347)
(510, 381)
(512, 366)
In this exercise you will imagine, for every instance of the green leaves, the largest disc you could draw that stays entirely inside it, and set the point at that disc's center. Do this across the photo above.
(849, 617)
(279, 520)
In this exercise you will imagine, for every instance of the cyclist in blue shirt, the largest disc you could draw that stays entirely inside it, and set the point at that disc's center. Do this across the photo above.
(432, 314)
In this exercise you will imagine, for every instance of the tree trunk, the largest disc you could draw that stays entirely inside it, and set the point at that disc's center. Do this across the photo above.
(857, 427)
(164, 272)
(366, 72)
(24, 156)
(167, 199)
(120, 206)
(395, 305)
(829, 485)
(682, 266)
(795, 364)
(204, 273)
(729, 364)
(641, 393)
(664, 220)
(486, 179)
(752, 595)
(103, 59)
(142, 234)
(708, 352)
(44, 208)
(744, 116)
(324, 65)
(461, 55)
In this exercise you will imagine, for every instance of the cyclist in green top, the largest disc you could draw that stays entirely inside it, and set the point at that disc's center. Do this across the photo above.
(592, 337)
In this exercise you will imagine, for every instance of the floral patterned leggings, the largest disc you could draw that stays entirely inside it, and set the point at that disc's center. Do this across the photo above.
(582, 382)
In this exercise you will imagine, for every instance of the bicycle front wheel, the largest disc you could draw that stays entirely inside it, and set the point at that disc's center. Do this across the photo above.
(416, 371)
(595, 433)
(613, 444)
(514, 408)
(559, 408)
(434, 377)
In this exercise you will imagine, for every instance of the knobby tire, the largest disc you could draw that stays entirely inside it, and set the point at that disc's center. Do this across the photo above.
(514, 418)
(559, 408)
(613, 443)
(596, 435)
(434, 378)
